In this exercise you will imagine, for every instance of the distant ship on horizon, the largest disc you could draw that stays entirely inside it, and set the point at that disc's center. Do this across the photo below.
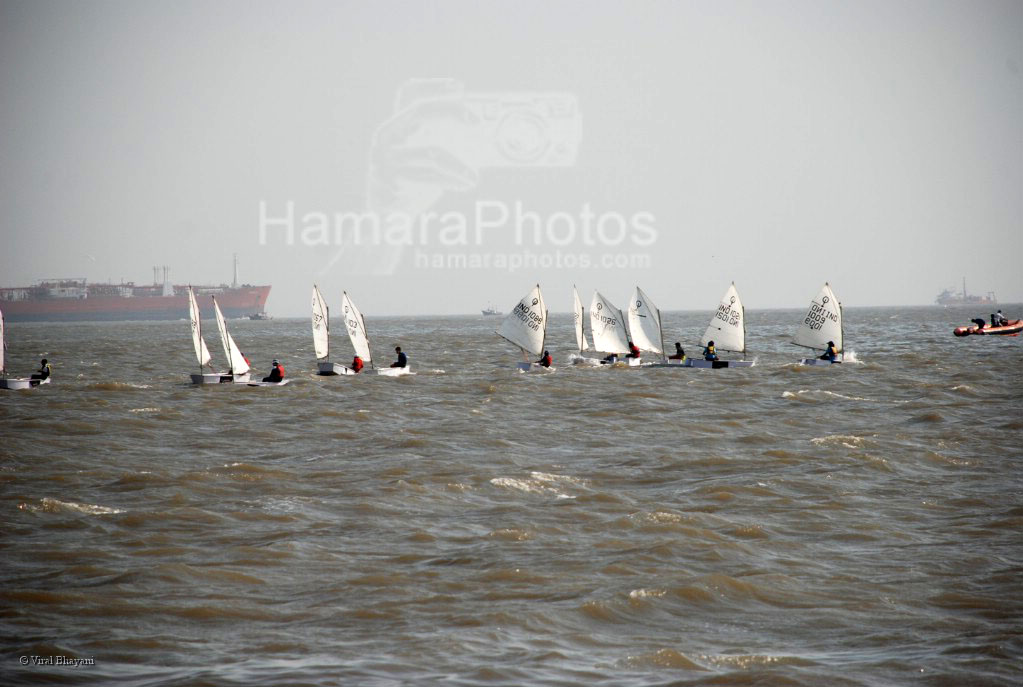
(489, 311)
(950, 297)
(75, 299)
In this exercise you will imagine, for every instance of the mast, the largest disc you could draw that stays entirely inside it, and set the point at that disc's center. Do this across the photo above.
(660, 327)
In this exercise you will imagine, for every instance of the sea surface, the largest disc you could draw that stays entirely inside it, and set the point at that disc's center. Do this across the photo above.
(858, 524)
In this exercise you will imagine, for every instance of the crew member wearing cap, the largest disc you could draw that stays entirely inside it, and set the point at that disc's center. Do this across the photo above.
(276, 373)
(44, 371)
(830, 354)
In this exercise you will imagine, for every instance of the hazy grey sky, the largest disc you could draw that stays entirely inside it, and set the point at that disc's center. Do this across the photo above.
(876, 145)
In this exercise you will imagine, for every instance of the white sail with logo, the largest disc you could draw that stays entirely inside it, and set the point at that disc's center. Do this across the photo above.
(202, 353)
(356, 325)
(607, 324)
(238, 365)
(823, 322)
(645, 323)
(727, 329)
(526, 325)
(321, 325)
(579, 315)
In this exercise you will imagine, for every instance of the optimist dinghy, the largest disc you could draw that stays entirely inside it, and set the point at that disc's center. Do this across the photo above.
(645, 326)
(607, 324)
(239, 370)
(823, 323)
(526, 327)
(321, 338)
(727, 329)
(355, 323)
(202, 353)
(13, 383)
(581, 344)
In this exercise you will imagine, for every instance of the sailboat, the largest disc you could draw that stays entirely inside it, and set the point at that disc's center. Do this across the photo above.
(13, 383)
(607, 324)
(727, 329)
(238, 371)
(321, 338)
(823, 323)
(355, 323)
(526, 327)
(202, 354)
(645, 325)
(579, 320)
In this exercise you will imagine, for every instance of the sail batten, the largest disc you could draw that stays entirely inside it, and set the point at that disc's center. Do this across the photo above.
(202, 353)
(526, 324)
(823, 322)
(355, 323)
(579, 315)
(239, 365)
(607, 324)
(645, 323)
(727, 328)
(321, 325)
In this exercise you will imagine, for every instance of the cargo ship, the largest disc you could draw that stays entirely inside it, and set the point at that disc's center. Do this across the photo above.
(75, 299)
(950, 297)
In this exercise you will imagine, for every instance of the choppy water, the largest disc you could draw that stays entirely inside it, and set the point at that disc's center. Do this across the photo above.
(852, 525)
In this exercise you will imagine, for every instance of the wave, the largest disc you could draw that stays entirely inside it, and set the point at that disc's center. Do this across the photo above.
(51, 505)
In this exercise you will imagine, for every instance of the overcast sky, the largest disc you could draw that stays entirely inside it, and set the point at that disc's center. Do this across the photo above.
(875, 145)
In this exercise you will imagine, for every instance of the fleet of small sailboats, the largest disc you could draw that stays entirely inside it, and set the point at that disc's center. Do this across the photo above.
(526, 327)
(821, 326)
(13, 383)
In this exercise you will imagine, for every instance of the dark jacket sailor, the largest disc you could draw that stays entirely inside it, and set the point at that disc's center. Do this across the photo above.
(276, 373)
(680, 353)
(830, 354)
(44, 371)
(402, 360)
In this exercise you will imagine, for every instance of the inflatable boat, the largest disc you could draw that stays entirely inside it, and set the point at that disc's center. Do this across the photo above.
(1013, 328)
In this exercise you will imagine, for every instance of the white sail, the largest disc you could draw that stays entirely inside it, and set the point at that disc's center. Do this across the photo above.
(823, 322)
(202, 353)
(238, 364)
(727, 329)
(607, 324)
(3, 345)
(526, 325)
(645, 323)
(321, 325)
(579, 315)
(356, 325)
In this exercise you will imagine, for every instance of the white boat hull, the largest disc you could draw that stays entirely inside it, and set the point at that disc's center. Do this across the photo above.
(633, 362)
(210, 378)
(16, 383)
(332, 369)
(238, 379)
(669, 363)
(392, 371)
(280, 383)
(717, 364)
(818, 361)
(533, 367)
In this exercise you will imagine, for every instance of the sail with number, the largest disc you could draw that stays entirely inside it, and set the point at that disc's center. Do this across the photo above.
(645, 323)
(202, 353)
(238, 364)
(607, 324)
(356, 325)
(727, 329)
(579, 314)
(823, 322)
(526, 324)
(321, 325)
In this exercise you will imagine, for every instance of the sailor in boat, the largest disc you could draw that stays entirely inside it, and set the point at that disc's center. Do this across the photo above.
(402, 360)
(633, 351)
(545, 359)
(609, 359)
(680, 353)
(709, 353)
(276, 373)
(999, 320)
(44, 371)
(357, 364)
(979, 321)
(830, 354)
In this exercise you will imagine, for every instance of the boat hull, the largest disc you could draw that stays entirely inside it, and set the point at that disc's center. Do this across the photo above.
(392, 371)
(210, 378)
(818, 361)
(717, 364)
(16, 383)
(1011, 329)
(329, 369)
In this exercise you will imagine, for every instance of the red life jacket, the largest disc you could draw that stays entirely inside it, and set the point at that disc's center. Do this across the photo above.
(357, 364)
(634, 350)
(280, 369)
(547, 360)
